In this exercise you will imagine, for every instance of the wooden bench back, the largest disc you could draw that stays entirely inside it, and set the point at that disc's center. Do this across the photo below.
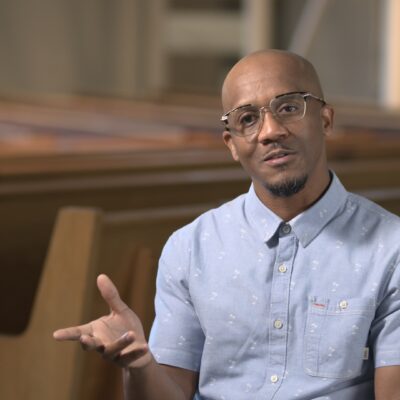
(28, 208)
(85, 242)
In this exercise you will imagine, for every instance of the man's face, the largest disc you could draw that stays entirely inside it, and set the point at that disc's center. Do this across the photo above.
(284, 159)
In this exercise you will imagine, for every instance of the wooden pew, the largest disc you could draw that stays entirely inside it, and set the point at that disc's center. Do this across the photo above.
(29, 361)
(176, 174)
(29, 201)
(29, 204)
(119, 155)
(85, 242)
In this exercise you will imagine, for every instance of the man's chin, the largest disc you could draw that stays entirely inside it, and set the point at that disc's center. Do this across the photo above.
(287, 187)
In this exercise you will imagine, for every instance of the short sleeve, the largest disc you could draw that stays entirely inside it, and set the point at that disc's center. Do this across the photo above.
(176, 337)
(385, 329)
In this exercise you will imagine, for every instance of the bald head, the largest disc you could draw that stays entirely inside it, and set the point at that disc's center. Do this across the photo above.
(268, 73)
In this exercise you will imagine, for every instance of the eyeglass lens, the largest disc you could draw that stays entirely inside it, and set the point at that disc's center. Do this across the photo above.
(285, 109)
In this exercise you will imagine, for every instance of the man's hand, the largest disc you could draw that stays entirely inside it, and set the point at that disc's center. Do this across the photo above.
(119, 336)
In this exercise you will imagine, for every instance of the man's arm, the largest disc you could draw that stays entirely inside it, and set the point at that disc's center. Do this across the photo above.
(157, 381)
(119, 338)
(387, 383)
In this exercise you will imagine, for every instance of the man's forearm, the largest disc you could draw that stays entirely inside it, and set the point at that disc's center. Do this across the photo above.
(151, 382)
(387, 383)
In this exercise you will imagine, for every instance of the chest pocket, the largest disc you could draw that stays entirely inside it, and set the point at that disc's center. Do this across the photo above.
(336, 335)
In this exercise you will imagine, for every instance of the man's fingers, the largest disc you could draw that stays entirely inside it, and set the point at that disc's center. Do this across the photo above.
(91, 343)
(117, 351)
(113, 349)
(72, 333)
(110, 294)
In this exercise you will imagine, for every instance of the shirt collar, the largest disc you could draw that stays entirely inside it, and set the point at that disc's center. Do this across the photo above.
(307, 225)
(260, 217)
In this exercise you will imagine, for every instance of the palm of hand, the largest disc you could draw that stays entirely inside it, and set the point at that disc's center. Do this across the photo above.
(112, 327)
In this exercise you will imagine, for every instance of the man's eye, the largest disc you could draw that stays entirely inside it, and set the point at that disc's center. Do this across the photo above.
(288, 108)
(248, 118)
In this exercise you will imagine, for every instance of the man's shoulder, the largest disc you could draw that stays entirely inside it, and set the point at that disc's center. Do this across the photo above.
(370, 208)
(201, 229)
(366, 215)
(214, 217)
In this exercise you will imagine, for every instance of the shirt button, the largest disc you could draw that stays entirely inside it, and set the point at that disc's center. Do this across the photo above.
(282, 268)
(286, 228)
(274, 378)
(343, 304)
(278, 324)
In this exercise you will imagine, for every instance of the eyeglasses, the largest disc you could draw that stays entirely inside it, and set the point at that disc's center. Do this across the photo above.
(286, 108)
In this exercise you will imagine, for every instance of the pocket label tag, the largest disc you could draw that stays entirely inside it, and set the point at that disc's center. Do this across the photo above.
(366, 353)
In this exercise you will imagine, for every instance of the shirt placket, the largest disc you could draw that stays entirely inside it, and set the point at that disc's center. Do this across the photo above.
(279, 306)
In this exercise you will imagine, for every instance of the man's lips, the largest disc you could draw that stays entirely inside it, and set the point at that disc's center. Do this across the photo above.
(278, 157)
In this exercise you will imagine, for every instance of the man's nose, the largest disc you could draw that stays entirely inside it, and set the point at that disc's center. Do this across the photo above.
(270, 128)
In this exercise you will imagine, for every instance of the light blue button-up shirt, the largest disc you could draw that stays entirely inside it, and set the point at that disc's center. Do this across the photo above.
(268, 310)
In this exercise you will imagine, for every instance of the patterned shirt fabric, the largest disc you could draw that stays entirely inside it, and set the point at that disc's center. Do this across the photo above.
(270, 310)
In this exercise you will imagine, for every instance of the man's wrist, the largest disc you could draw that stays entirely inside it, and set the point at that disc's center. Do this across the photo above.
(140, 364)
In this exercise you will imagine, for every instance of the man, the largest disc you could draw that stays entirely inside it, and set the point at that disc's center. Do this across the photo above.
(290, 291)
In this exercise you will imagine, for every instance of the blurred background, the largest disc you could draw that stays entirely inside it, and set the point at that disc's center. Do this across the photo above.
(159, 49)
(110, 139)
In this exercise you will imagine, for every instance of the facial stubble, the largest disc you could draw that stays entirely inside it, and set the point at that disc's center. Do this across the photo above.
(288, 187)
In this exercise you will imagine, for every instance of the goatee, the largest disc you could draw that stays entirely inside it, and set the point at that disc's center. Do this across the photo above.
(288, 188)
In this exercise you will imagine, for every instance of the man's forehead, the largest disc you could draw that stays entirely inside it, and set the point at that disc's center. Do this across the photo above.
(262, 76)
(259, 84)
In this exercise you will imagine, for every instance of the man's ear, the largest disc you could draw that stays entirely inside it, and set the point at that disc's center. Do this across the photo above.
(327, 115)
(228, 140)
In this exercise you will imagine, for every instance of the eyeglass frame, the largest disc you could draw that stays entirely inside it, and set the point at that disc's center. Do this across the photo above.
(224, 117)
